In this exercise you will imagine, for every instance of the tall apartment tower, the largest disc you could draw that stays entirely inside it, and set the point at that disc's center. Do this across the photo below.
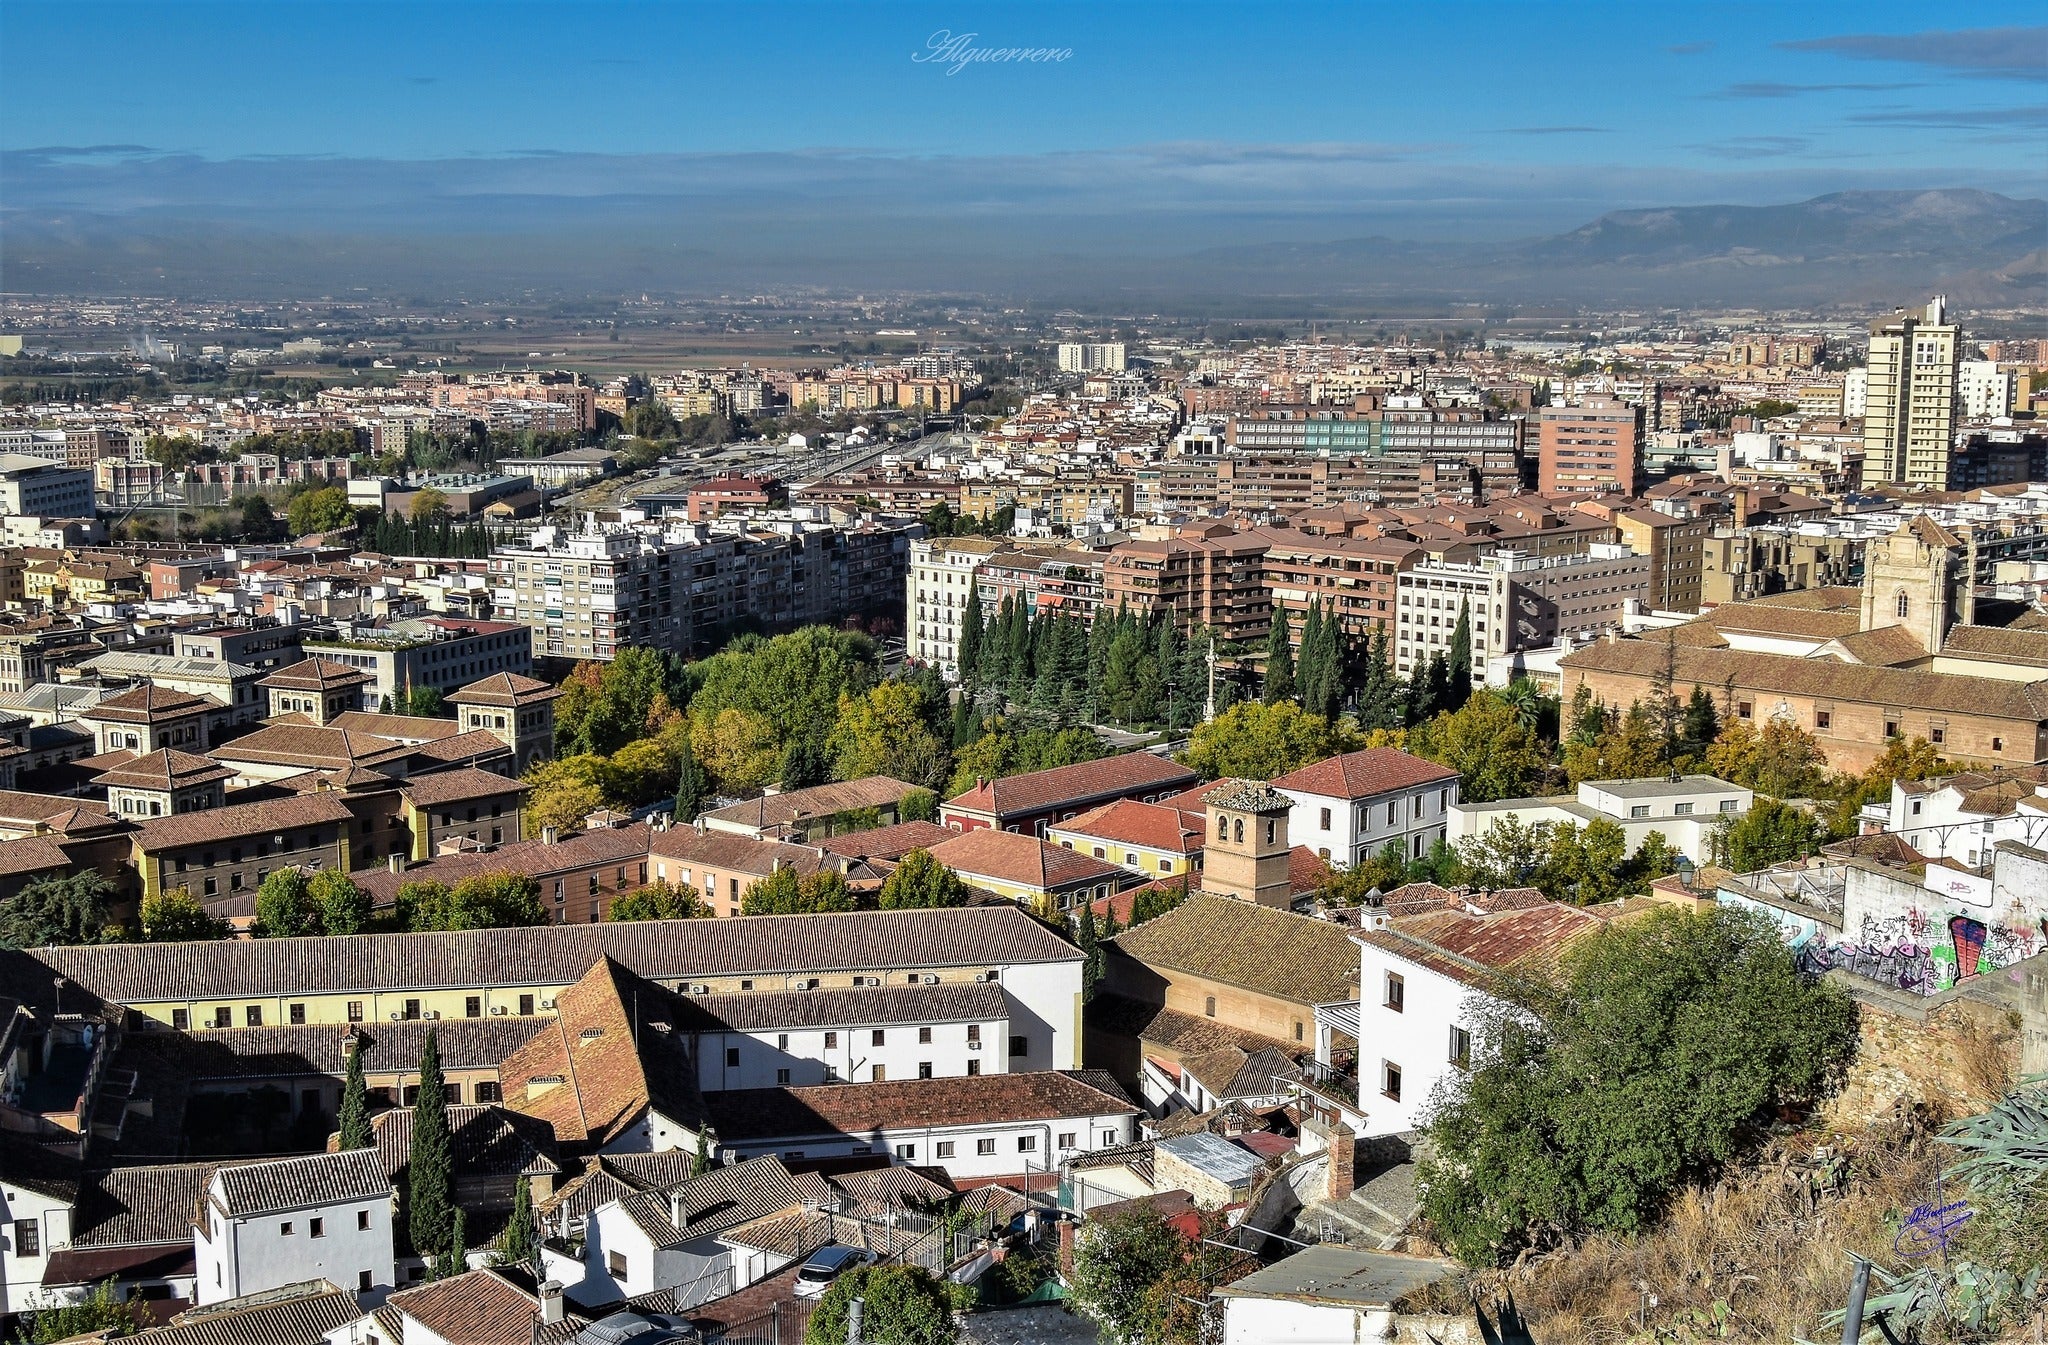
(1909, 411)
(1593, 448)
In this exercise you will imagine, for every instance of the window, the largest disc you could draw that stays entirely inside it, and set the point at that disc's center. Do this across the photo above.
(984, 1146)
(880, 1073)
(488, 1091)
(1019, 1046)
(1236, 833)
(1903, 605)
(284, 1230)
(974, 1032)
(1326, 819)
(1066, 1139)
(944, 1149)
(1639, 810)
(28, 1238)
(1461, 1048)
(1743, 709)
(355, 1011)
(362, 1281)
(732, 1057)
(316, 1228)
(1937, 735)
(1397, 991)
(526, 1006)
(1297, 1029)
(878, 1037)
(782, 1076)
(973, 1069)
(181, 1019)
(831, 1041)
(1681, 810)
(924, 1036)
(1891, 728)
(1209, 1006)
(1109, 1137)
(1727, 805)
(782, 1041)
(1998, 744)
(1823, 719)
(1390, 1079)
(615, 1263)
(412, 1010)
(223, 1017)
(1027, 1144)
(1272, 825)
(907, 1152)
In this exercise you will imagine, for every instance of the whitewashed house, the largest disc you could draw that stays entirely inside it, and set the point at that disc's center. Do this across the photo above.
(1349, 808)
(289, 1220)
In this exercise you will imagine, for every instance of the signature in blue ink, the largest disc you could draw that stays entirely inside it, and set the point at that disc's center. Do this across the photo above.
(1930, 1228)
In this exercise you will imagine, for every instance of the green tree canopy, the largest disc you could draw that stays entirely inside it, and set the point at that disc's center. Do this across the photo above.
(920, 880)
(658, 900)
(284, 907)
(1259, 741)
(177, 916)
(1769, 833)
(1116, 1265)
(353, 1120)
(482, 901)
(786, 892)
(1644, 1065)
(900, 1305)
(1486, 742)
(341, 906)
(53, 911)
(322, 510)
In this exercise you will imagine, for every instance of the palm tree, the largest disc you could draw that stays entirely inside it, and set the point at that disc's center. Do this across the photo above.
(1523, 697)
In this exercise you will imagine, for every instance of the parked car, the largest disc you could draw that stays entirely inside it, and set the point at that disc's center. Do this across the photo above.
(826, 1265)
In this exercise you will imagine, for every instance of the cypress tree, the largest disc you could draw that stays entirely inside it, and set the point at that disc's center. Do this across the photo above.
(1308, 668)
(1436, 685)
(456, 1259)
(691, 786)
(1378, 706)
(1460, 687)
(429, 1208)
(970, 636)
(701, 1164)
(354, 1118)
(1279, 661)
(521, 1239)
(1090, 944)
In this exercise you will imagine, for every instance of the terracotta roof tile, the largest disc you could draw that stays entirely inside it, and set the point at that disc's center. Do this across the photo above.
(239, 820)
(296, 1183)
(1009, 857)
(1362, 775)
(507, 689)
(886, 842)
(1082, 784)
(1155, 826)
(773, 811)
(457, 786)
(751, 1115)
(295, 1321)
(1290, 957)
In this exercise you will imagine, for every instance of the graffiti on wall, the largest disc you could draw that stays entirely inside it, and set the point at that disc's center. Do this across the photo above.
(1911, 952)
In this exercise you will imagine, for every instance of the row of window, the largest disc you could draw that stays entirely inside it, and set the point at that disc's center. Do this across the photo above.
(295, 1014)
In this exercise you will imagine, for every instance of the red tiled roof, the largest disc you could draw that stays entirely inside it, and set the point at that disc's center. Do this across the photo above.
(1007, 856)
(1156, 826)
(505, 689)
(729, 850)
(239, 820)
(1361, 775)
(1084, 782)
(887, 842)
(742, 1115)
(1470, 948)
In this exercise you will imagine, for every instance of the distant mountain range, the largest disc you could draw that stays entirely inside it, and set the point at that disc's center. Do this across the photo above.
(1851, 247)
(1855, 249)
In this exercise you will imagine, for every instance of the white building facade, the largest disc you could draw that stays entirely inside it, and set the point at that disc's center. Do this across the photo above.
(1349, 808)
(323, 1216)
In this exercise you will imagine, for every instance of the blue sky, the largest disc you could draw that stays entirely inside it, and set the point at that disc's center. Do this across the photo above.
(1679, 85)
(784, 129)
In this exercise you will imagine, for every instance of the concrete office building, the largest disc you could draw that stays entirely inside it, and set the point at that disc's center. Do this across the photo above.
(1517, 602)
(1081, 357)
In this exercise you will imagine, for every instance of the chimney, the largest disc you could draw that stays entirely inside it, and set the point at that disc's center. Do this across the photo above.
(547, 835)
(396, 862)
(550, 1302)
(1343, 1162)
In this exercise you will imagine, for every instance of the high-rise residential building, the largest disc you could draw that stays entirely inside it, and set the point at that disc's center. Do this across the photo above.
(1983, 390)
(1909, 413)
(1082, 357)
(1593, 448)
(1205, 575)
